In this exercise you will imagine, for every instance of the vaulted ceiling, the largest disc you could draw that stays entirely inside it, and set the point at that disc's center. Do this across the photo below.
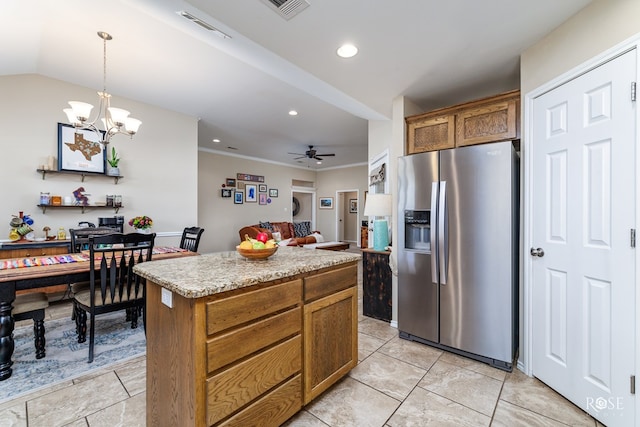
(434, 52)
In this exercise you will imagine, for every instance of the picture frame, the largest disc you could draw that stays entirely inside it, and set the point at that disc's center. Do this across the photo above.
(353, 205)
(273, 192)
(240, 185)
(249, 177)
(226, 192)
(262, 200)
(326, 203)
(230, 182)
(250, 193)
(238, 197)
(262, 188)
(80, 150)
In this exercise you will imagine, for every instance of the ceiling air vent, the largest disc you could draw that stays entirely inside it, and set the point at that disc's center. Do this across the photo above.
(203, 24)
(287, 8)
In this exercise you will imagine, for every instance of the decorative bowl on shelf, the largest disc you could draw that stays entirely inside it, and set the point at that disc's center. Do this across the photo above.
(256, 253)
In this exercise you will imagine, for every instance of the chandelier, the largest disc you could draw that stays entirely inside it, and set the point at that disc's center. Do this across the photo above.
(114, 120)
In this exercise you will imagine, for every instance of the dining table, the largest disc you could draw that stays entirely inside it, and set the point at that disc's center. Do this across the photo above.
(41, 272)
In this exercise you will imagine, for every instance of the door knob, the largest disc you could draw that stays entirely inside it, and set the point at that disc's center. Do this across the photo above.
(537, 252)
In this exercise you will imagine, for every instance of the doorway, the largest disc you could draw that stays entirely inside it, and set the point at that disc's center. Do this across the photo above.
(580, 261)
(347, 216)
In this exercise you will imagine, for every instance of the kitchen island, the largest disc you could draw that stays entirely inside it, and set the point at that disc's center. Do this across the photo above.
(235, 342)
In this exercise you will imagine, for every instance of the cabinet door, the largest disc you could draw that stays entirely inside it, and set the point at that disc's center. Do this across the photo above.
(487, 123)
(429, 134)
(331, 341)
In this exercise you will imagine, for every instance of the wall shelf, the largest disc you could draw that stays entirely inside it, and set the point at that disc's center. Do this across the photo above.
(88, 207)
(44, 173)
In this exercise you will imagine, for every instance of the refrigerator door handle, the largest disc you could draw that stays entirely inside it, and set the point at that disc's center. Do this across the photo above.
(434, 253)
(443, 233)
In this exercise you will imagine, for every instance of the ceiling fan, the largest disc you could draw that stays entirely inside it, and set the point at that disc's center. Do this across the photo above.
(311, 154)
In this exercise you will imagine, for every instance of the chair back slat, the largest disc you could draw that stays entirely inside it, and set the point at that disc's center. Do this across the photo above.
(117, 254)
(191, 238)
(80, 236)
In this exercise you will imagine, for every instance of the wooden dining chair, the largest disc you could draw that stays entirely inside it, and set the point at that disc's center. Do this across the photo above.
(113, 286)
(80, 242)
(32, 306)
(191, 238)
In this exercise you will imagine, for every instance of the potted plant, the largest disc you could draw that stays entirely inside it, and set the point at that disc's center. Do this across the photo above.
(142, 224)
(113, 169)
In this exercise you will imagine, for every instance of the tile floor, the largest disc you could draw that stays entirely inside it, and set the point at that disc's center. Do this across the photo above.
(397, 383)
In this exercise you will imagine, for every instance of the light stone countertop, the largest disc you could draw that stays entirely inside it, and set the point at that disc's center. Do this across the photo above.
(208, 274)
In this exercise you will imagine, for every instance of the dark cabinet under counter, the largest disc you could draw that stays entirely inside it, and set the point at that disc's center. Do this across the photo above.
(376, 284)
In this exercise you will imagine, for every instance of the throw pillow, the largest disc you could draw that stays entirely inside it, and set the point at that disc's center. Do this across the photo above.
(318, 236)
(266, 225)
(302, 229)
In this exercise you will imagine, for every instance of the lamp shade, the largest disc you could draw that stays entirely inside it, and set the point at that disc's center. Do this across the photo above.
(378, 205)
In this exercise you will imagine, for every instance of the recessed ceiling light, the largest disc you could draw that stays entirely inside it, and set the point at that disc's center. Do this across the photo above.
(347, 51)
(216, 140)
(293, 113)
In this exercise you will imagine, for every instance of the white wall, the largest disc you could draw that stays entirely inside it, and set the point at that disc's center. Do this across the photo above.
(596, 28)
(158, 165)
(330, 181)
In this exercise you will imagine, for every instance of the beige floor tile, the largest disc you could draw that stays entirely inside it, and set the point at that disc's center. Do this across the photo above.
(423, 408)
(72, 403)
(133, 375)
(532, 394)
(367, 345)
(304, 419)
(463, 386)
(128, 413)
(508, 415)
(474, 365)
(27, 397)
(78, 423)
(14, 416)
(352, 404)
(388, 375)
(411, 352)
(377, 328)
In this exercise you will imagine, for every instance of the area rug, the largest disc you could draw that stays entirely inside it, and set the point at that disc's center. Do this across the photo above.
(66, 359)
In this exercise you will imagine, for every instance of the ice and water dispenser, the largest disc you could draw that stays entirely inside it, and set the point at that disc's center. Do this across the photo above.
(417, 230)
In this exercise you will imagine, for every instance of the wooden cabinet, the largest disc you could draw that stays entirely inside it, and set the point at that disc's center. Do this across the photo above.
(376, 284)
(34, 251)
(248, 356)
(496, 118)
(330, 329)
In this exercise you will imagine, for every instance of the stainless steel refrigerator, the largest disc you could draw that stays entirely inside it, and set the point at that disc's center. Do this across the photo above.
(457, 251)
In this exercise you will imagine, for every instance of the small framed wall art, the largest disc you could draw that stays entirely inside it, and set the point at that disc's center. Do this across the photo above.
(251, 193)
(238, 197)
(353, 205)
(262, 200)
(230, 182)
(226, 192)
(80, 150)
(262, 188)
(273, 192)
(326, 202)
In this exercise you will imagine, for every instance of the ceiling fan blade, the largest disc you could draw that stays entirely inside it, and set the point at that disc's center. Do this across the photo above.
(301, 157)
(296, 154)
(326, 155)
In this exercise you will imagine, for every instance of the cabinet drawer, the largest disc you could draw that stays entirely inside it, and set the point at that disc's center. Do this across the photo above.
(323, 284)
(229, 312)
(271, 410)
(241, 342)
(246, 381)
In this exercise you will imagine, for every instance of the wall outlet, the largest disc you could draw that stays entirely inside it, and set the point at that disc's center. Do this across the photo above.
(167, 297)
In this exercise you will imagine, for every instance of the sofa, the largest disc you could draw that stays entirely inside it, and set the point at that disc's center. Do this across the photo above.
(298, 233)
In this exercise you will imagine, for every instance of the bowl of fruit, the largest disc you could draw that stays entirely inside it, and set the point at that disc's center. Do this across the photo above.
(259, 248)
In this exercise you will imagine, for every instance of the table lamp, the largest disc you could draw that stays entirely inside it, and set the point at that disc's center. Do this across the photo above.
(379, 205)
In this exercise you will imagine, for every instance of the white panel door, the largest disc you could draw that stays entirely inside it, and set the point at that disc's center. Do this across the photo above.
(583, 205)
